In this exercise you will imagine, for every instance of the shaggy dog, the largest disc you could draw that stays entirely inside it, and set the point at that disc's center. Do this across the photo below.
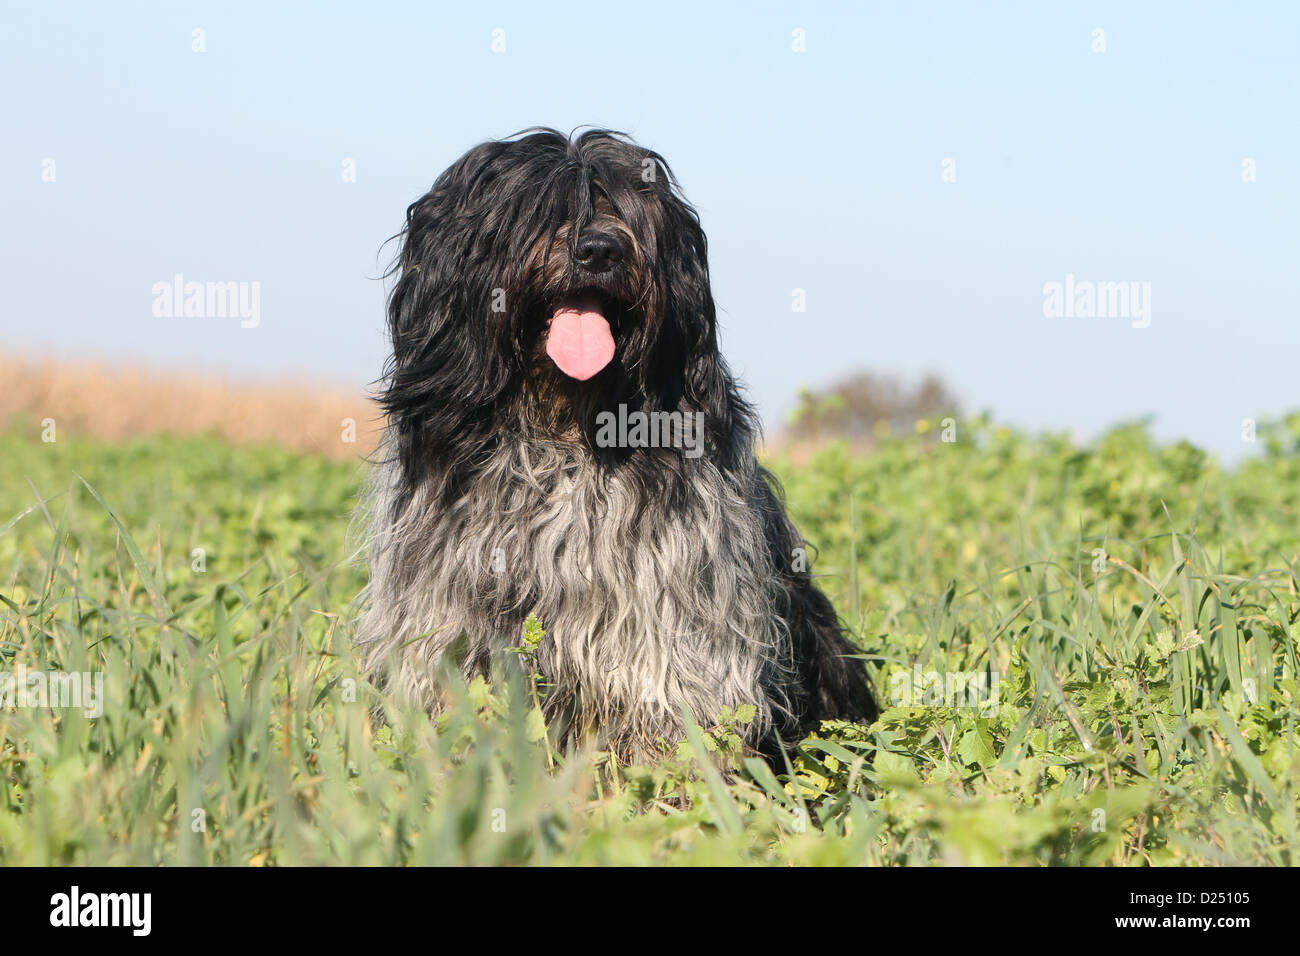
(564, 438)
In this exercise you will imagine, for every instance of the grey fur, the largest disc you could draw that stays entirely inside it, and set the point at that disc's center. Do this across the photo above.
(648, 613)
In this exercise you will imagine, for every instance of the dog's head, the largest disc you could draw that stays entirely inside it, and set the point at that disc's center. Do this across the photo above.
(556, 276)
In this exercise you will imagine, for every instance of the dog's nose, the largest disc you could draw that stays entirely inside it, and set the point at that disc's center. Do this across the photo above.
(599, 251)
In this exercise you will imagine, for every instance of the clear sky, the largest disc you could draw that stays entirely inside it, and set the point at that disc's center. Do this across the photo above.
(820, 170)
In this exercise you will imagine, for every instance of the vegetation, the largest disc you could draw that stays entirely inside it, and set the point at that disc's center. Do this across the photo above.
(864, 406)
(1130, 608)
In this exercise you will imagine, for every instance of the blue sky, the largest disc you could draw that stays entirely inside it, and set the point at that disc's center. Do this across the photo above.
(817, 170)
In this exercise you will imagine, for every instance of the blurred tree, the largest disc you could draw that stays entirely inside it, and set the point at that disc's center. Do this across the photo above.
(863, 405)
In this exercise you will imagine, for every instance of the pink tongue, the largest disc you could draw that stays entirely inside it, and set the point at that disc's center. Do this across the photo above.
(579, 340)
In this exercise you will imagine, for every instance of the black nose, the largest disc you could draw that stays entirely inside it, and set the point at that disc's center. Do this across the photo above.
(599, 251)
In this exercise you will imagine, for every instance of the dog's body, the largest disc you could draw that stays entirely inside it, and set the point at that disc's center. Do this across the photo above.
(543, 285)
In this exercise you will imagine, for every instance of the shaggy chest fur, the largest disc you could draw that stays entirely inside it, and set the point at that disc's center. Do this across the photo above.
(650, 608)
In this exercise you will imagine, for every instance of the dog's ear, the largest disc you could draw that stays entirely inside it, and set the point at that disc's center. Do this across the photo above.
(682, 277)
(450, 329)
(687, 336)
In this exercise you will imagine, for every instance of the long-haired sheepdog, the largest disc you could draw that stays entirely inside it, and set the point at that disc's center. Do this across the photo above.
(564, 438)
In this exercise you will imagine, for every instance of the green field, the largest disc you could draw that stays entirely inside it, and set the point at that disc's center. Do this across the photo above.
(1135, 603)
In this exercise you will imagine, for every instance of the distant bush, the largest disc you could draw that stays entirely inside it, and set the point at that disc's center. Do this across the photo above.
(863, 406)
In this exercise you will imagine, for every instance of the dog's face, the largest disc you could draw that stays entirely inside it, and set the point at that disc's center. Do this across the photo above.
(582, 282)
(556, 276)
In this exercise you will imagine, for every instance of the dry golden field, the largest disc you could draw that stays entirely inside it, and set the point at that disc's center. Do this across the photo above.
(94, 400)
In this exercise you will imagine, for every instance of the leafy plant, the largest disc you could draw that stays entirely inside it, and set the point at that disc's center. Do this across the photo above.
(1125, 613)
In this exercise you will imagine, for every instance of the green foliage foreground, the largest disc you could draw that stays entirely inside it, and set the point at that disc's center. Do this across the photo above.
(1130, 609)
